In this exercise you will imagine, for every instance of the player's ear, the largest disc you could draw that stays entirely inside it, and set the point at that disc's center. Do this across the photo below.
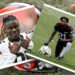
(3, 32)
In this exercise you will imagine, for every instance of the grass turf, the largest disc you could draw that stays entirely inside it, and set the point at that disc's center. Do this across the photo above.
(8, 72)
(48, 19)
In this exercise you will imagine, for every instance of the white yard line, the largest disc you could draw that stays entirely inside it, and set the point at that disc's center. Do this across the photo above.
(52, 63)
(73, 15)
(14, 64)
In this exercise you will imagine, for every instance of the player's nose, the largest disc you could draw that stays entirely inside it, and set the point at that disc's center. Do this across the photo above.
(14, 30)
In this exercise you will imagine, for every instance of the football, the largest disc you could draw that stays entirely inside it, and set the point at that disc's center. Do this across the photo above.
(45, 50)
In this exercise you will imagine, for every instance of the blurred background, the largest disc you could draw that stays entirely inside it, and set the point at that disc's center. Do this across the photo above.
(62, 4)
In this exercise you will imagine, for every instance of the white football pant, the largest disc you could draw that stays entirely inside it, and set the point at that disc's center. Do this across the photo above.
(65, 49)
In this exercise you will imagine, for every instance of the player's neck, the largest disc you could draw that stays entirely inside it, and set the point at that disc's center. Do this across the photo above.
(17, 39)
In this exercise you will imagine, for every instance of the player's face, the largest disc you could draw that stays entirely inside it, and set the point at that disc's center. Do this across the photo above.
(13, 31)
(63, 21)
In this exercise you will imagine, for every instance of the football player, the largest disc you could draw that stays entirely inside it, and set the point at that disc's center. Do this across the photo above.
(65, 37)
(14, 43)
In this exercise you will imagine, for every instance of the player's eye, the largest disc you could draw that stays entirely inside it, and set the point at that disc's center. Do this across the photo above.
(10, 27)
(16, 26)
(64, 21)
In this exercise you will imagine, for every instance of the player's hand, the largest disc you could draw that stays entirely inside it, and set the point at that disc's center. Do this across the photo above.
(25, 43)
(64, 40)
(14, 48)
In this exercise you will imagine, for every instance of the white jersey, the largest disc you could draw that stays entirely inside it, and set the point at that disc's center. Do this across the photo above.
(7, 57)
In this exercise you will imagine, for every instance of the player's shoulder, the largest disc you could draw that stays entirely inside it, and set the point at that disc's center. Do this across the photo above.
(70, 28)
(4, 41)
(23, 34)
(57, 26)
(2, 44)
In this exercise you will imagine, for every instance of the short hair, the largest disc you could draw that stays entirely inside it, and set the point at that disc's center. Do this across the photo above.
(65, 19)
(10, 19)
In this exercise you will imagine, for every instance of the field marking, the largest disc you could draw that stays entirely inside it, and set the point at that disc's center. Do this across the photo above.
(49, 6)
(14, 64)
(52, 63)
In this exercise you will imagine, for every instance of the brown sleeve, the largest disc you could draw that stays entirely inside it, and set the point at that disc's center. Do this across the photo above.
(56, 26)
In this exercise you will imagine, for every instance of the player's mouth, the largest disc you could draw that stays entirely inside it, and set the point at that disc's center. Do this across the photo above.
(15, 34)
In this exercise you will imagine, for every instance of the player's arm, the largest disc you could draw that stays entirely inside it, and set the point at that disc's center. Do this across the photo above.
(25, 43)
(70, 38)
(67, 40)
(52, 34)
(51, 37)
(70, 34)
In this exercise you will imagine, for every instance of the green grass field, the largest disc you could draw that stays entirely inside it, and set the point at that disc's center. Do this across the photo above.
(48, 19)
(8, 72)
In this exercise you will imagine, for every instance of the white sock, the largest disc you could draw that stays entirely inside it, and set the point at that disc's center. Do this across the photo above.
(66, 49)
